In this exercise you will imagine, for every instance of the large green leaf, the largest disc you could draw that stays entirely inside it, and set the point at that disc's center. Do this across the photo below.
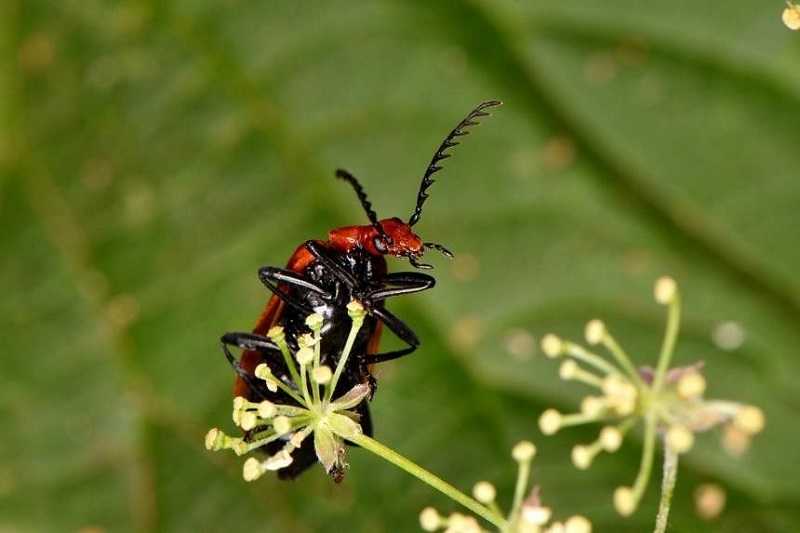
(154, 155)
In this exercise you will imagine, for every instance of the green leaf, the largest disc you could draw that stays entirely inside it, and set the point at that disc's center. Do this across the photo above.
(154, 155)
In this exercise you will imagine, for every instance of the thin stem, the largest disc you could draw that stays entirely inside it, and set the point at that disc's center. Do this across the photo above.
(582, 354)
(587, 378)
(348, 347)
(287, 357)
(304, 384)
(667, 487)
(577, 419)
(668, 347)
(622, 358)
(317, 347)
(519, 490)
(646, 465)
(288, 390)
(431, 479)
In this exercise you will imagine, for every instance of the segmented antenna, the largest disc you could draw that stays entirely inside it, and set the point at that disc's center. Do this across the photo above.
(441, 153)
(362, 197)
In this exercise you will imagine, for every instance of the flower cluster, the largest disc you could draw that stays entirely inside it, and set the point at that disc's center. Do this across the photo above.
(526, 516)
(669, 402)
(310, 385)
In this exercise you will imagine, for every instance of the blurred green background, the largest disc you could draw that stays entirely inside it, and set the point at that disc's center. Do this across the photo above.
(154, 154)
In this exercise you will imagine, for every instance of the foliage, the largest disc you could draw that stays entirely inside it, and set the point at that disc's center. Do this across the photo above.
(155, 154)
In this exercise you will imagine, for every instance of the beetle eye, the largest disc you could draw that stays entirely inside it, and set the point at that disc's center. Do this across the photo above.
(380, 245)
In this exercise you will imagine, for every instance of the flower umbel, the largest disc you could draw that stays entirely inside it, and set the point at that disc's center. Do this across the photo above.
(314, 414)
(526, 516)
(668, 402)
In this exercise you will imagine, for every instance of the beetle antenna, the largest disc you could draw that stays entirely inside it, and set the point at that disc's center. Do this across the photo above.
(438, 247)
(365, 203)
(441, 153)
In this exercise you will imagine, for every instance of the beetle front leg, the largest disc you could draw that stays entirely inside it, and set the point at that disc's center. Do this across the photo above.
(271, 277)
(401, 283)
(398, 327)
(251, 381)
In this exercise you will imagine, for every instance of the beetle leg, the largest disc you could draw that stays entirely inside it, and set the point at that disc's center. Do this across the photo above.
(323, 255)
(399, 328)
(272, 276)
(250, 380)
(249, 341)
(401, 283)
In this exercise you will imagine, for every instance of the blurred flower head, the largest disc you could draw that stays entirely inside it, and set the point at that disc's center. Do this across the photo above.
(669, 402)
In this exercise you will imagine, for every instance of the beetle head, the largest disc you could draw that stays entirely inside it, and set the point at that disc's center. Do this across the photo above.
(399, 240)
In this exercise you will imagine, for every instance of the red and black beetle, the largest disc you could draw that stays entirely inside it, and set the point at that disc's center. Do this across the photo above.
(323, 276)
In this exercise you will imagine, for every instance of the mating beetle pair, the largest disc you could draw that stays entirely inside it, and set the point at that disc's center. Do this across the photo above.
(322, 277)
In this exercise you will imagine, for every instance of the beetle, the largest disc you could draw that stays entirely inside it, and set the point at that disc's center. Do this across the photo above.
(322, 276)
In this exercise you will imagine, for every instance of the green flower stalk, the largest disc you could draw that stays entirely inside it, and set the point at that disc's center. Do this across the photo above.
(527, 514)
(667, 402)
(329, 422)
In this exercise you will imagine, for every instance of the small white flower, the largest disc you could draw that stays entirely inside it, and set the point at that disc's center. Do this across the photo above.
(314, 411)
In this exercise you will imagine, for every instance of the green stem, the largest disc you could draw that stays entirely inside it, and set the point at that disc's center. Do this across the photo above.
(668, 347)
(622, 358)
(582, 354)
(519, 490)
(646, 465)
(287, 358)
(667, 487)
(304, 384)
(431, 479)
(288, 390)
(348, 347)
(317, 348)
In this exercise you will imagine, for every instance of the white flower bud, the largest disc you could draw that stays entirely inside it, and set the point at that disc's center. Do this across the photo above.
(429, 519)
(595, 331)
(578, 524)
(214, 439)
(679, 439)
(484, 492)
(282, 425)
(552, 346)
(523, 451)
(252, 469)
(610, 439)
(582, 456)
(624, 501)
(536, 514)
(592, 406)
(568, 369)
(248, 420)
(550, 421)
(314, 321)
(791, 17)
(749, 419)
(304, 356)
(691, 385)
(665, 290)
(266, 409)
(322, 375)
